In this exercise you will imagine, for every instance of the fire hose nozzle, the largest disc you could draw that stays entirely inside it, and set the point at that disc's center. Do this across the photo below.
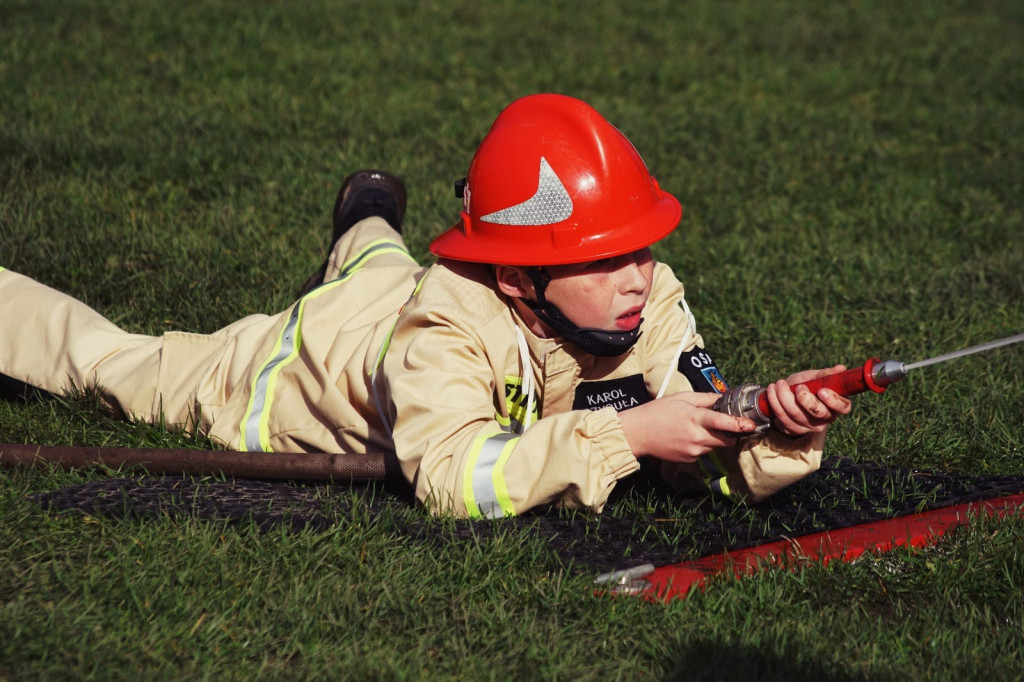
(888, 372)
(751, 401)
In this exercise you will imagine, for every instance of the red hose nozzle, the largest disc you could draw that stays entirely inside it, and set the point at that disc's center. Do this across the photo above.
(751, 401)
(874, 375)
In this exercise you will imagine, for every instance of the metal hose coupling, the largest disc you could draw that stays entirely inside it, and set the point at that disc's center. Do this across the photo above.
(742, 401)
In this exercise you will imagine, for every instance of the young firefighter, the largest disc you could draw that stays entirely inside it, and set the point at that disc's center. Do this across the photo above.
(534, 363)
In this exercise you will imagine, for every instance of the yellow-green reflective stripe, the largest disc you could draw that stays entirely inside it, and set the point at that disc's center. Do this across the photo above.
(370, 251)
(255, 424)
(468, 497)
(706, 467)
(387, 337)
(255, 427)
(516, 402)
(498, 478)
(713, 465)
(721, 485)
(714, 472)
(484, 490)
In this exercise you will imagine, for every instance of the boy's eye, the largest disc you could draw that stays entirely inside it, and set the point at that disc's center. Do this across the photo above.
(639, 257)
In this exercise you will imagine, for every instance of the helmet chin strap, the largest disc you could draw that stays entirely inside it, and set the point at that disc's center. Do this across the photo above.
(598, 342)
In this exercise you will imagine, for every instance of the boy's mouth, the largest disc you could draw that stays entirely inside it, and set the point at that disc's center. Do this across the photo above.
(630, 319)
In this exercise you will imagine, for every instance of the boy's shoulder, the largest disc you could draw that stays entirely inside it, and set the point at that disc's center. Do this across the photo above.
(466, 290)
(665, 283)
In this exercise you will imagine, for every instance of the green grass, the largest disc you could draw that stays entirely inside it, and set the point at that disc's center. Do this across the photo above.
(852, 176)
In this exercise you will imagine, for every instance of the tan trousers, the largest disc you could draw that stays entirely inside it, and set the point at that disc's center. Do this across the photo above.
(55, 342)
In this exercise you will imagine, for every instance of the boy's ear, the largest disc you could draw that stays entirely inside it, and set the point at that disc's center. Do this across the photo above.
(513, 281)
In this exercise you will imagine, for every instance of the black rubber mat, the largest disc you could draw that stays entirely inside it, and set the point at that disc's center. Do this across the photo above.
(645, 522)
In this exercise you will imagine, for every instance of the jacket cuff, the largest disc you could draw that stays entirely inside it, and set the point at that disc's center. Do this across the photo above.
(770, 463)
(610, 449)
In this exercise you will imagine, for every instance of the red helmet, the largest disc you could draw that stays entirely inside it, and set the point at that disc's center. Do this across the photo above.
(553, 182)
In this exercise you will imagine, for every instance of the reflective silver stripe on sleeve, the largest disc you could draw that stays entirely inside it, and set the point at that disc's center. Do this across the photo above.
(487, 497)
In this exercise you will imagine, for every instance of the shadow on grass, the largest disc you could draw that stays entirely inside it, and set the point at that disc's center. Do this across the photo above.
(706, 660)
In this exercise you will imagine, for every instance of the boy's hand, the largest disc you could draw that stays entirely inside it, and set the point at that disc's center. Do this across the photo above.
(681, 427)
(798, 411)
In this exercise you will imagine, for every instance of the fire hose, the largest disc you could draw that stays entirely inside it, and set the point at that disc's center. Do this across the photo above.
(306, 466)
(751, 400)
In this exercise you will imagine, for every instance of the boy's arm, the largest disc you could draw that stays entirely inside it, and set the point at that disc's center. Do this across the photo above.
(752, 467)
(455, 447)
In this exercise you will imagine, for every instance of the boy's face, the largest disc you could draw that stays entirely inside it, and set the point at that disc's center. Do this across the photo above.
(607, 294)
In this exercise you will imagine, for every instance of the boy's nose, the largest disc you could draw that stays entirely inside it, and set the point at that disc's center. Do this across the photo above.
(634, 274)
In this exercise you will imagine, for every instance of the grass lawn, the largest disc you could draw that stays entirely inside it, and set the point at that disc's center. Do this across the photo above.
(852, 175)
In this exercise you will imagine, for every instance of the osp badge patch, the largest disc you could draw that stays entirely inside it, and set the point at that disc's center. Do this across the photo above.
(699, 368)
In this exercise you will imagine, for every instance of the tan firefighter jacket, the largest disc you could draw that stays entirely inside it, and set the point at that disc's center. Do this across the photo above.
(445, 384)
(457, 391)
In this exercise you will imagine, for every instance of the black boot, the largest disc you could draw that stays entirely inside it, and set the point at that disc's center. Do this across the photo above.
(363, 194)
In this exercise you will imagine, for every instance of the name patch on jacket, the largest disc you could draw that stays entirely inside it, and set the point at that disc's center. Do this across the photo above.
(621, 394)
(699, 369)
